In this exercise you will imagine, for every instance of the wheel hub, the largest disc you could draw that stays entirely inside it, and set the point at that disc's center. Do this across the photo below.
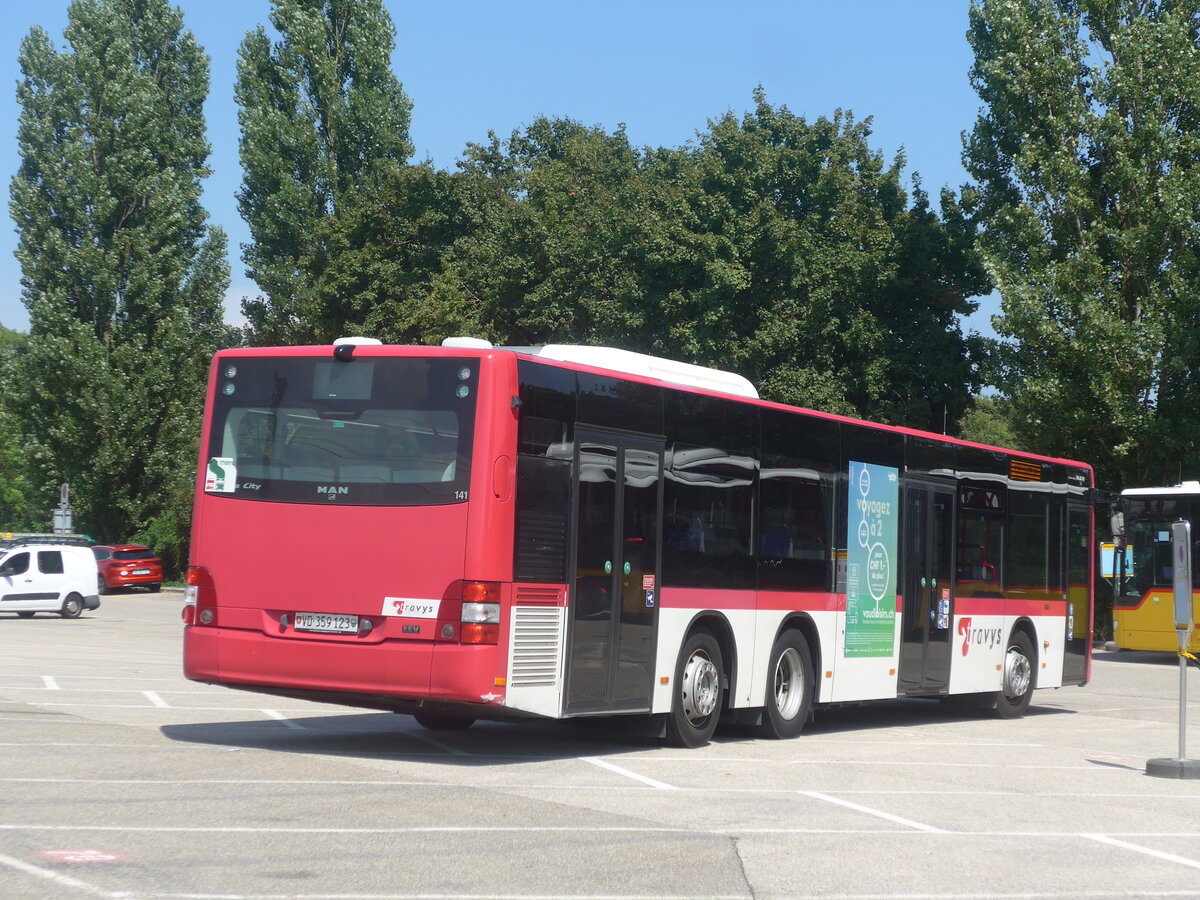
(1017, 673)
(789, 685)
(701, 687)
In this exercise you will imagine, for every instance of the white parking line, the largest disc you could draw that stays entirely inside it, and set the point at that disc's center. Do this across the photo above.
(158, 701)
(1157, 854)
(57, 878)
(908, 823)
(280, 717)
(604, 764)
(50, 683)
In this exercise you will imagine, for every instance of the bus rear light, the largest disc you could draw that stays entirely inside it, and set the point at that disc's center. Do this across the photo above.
(189, 614)
(207, 616)
(480, 616)
(480, 592)
(198, 576)
(480, 634)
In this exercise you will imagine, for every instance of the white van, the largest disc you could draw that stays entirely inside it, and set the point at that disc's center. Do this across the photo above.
(47, 573)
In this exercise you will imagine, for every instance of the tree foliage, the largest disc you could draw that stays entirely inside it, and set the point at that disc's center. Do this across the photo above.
(15, 492)
(324, 122)
(785, 250)
(1087, 155)
(121, 275)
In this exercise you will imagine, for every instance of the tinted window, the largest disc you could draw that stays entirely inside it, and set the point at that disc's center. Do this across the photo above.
(708, 499)
(372, 431)
(547, 414)
(980, 540)
(17, 564)
(617, 403)
(101, 553)
(50, 562)
(1026, 552)
(134, 554)
(796, 482)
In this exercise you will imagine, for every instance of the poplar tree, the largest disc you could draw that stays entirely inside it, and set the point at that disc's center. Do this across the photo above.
(1087, 157)
(121, 275)
(324, 121)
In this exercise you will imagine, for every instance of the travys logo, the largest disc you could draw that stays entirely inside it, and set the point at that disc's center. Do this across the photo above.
(980, 637)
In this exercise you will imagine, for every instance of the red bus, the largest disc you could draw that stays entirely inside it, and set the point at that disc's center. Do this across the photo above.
(468, 532)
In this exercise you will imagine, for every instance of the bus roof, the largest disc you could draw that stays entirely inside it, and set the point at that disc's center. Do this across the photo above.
(1188, 487)
(628, 361)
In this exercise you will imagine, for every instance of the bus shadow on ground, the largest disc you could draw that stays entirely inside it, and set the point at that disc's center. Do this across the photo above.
(388, 736)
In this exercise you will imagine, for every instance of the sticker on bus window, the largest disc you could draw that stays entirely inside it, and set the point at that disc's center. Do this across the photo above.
(410, 608)
(221, 475)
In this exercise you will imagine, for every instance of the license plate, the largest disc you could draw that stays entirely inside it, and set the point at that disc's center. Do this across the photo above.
(327, 623)
(141, 571)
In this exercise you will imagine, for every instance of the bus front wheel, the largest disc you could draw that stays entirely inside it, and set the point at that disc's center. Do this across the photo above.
(789, 687)
(697, 692)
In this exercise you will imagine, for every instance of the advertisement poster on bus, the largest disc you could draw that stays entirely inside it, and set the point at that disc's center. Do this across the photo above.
(871, 539)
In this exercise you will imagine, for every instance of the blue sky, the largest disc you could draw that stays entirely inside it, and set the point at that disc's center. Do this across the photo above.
(662, 67)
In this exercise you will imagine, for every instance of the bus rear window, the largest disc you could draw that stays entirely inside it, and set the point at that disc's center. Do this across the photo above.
(368, 432)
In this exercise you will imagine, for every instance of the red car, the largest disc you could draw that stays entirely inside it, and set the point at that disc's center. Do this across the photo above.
(127, 565)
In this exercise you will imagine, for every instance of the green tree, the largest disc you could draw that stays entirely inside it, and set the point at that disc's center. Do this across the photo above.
(14, 484)
(385, 257)
(324, 122)
(986, 421)
(122, 277)
(810, 272)
(1087, 157)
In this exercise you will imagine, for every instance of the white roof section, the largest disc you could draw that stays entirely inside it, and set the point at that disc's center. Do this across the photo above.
(1188, 487)
(631, 363)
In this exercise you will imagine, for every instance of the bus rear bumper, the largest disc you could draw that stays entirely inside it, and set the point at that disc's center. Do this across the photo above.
(403, 670)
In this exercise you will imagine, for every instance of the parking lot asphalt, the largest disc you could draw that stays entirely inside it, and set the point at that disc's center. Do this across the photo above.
(120, 779)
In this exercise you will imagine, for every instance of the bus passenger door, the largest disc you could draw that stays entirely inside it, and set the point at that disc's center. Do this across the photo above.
(1079, 593)
(928, 586)
(614, 599)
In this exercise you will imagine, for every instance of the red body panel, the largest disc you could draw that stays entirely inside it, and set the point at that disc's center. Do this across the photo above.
(268, 560)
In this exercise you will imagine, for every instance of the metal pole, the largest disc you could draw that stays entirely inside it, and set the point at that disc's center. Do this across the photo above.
(1182, 707)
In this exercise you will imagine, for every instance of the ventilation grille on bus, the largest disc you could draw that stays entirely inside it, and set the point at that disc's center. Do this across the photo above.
(541, 547)
(536, 643)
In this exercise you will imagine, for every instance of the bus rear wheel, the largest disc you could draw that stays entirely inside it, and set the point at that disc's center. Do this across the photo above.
(443, 722)
(697, 693)
(789, 687)
(1017, 686)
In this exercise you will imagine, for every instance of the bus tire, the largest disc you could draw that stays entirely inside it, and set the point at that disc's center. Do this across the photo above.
(72, 607)
(1019, 679)
(25, 614)
(443, 722)
(790, 687)
(697, 693)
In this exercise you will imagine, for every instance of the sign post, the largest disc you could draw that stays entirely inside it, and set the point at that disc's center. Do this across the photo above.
(63, 519)
(1181, 560)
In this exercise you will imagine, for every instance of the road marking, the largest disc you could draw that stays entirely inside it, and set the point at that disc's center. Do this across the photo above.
(899, 820)
(158, 701)
(1157, 854)
(604, 764)
(56, 877)
(50, 683)
(280, 717)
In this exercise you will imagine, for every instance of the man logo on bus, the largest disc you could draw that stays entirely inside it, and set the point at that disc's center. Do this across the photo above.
(979, 636)
(331, 491)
